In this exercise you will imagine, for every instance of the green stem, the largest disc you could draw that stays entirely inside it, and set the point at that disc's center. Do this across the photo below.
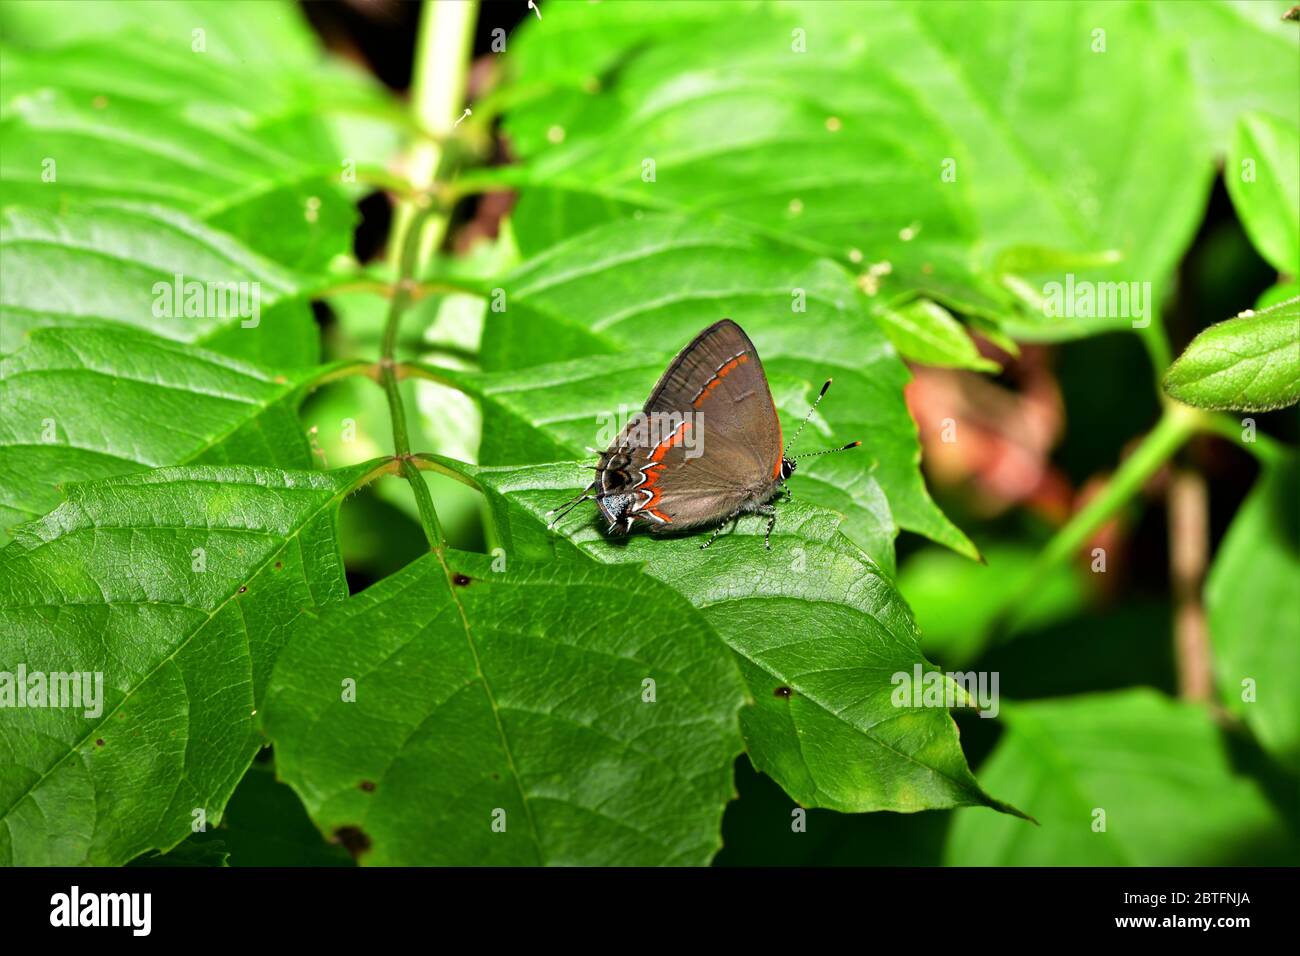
(441, 65)
(333, 371)
(1176, 426)
(389, 378)
(437, 92)
(1267, 451)
(427, 462)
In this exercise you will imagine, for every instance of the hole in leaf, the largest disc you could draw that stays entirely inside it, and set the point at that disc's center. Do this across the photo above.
(353, 839)
(372, 231)
(377, 537)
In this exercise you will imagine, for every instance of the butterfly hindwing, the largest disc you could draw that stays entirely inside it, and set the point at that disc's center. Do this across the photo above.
(707, 444)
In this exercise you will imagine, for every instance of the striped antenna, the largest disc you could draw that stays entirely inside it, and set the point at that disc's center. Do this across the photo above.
(828, 451)
(798, 431)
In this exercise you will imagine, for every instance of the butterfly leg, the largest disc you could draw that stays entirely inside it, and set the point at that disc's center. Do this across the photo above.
(771, 523)
(770, 511)
(717, 531)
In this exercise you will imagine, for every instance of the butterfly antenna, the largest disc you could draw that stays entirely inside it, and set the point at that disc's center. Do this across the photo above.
(798, 431)
(828, 451)
(569, 505)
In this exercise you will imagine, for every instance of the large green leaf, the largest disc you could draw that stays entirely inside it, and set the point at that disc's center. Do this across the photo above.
(823, 149)
(236, 31)
(1253, 599)
(1153, 772)
(179, 587)
(208, 167)
(625, 297)
(512, 696)
(1244, 56)
(83, 403)
(1265, 187)
(1041, 101)
(111, 264)
(1250, 363)
(264, 143)
(906, 132)
(819, 631)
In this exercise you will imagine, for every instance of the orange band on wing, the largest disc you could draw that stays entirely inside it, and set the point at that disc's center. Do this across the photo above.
(726, 369)
(653, 473)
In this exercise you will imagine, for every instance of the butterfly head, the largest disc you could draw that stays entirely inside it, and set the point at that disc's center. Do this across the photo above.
(787, 468)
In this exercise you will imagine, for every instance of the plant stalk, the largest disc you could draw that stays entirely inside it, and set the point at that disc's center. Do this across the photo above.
(390, 379)
(438, 89)
(1176, 426)
(437, 93)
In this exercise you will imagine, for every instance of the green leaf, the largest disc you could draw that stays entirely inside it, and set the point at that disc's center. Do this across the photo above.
(1243, 57)
(824, 150)
(309, 111)
(624, 298)
(263, 143)
(115, 264)
(1250, 363)
(1277, 294)
(1157, 769)
(1265, 189)
(200, 164)
(83, 403)
(513, 697)
(926, 332)
(905, 132)
(958, 603)
(818, 629)
(235, 31)
(179, 587)
(1254, 612)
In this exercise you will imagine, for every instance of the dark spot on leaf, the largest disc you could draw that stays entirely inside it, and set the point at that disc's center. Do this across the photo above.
(496, 776)
(99, 742)
(783, 692)
(460, 580)
(368, 786)
(279, 565)
(353, 839)
(243, 588)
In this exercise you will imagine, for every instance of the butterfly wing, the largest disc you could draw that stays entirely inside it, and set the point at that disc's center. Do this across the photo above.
(707, 443)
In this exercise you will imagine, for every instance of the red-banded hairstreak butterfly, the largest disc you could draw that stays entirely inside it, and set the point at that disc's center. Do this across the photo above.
(706, 448)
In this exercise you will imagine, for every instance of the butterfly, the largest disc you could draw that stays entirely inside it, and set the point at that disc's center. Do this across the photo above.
(706, 448)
